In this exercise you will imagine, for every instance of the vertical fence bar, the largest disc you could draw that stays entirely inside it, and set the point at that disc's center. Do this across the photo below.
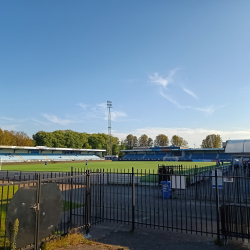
(87, 202)
(38, 194)
(71, 196)
(217, 206)
(133, 199)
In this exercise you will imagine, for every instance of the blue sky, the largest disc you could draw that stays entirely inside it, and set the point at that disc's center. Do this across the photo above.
(172, 67)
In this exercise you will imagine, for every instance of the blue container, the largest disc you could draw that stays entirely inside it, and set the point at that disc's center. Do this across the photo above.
(166, 189)
(163, 183)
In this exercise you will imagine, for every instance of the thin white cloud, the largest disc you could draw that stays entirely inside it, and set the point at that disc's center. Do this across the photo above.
(100, 111)
(102, 108)
(116, 114)
(169, 98)
(10, 127)
(208, 110)
(57, 120)
(18, 122)
(163, 81)
(102, 105)
(82, 105)
(10, 119)
(191, 93)
(36, 121)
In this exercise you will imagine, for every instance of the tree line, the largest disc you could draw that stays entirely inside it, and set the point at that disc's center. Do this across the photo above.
(13, 138)
(160, 140)
(73, 139)
(211, 141)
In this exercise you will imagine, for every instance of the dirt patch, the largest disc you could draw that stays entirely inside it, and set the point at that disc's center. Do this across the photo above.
(76, 241)
(94, 246)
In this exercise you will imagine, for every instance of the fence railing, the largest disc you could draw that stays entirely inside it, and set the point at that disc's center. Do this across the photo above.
(208, 201)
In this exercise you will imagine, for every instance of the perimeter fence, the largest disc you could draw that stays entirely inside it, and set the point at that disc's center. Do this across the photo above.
(212, 201)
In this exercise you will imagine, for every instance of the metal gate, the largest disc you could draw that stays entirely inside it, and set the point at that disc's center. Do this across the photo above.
(208, 201)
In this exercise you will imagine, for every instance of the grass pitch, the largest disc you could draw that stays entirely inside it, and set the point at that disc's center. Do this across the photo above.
(117, 166)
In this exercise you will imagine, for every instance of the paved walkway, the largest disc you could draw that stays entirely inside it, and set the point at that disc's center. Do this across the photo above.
(147, 239)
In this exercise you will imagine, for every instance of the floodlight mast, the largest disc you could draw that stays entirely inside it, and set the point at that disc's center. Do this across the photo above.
(109, 145)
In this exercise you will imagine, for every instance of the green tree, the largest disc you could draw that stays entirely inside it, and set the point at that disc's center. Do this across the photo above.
(43, 138)
(150, 142)
(115, 145)
(115, 149)
(84, 137)
(58, 139)
(212, 141)
(161, 140)
(130, 141)
(178, 141)
(122, 147)
(143, 140)
(98, 141)
(71, 139)
(135, 141)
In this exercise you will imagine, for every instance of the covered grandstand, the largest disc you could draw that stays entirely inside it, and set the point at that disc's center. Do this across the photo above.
(240, 151)
(29, 154)
(238, 148)
(174, 153)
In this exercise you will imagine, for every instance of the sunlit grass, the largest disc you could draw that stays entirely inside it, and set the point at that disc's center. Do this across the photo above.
(6, 194)
(117, 166)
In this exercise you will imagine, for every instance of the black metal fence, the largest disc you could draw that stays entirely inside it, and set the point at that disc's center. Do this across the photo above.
(208, 201)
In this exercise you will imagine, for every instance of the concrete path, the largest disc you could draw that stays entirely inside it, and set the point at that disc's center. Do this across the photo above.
(147, 239)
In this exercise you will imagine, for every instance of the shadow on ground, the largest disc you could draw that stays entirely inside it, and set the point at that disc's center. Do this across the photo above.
(146, 238)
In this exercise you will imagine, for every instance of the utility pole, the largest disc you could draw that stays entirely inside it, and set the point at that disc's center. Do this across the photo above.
(109, 144)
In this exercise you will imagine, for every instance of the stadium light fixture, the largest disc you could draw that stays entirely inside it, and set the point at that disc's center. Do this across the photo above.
(109, 146)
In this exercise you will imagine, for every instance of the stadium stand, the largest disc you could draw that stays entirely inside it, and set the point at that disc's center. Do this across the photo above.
(197, 156)
(10, 158)
(27, 154)
(154, 156)
(174, 153)
(80, 157)
(93, 157)
(58, 157)
(225, 157)
(134, 157)
(33, 157)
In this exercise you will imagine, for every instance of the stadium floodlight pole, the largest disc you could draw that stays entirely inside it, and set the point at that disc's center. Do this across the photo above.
(109, 146)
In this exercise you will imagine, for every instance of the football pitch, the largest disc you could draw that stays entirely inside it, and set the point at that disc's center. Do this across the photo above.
(114, 166)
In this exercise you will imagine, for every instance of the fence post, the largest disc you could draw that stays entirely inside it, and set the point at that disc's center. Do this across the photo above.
(133, 199)
(217, 205)
(87, 204)
(71, 196)
(38, 197)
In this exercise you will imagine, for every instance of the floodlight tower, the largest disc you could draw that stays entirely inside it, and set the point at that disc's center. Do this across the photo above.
(109, 145)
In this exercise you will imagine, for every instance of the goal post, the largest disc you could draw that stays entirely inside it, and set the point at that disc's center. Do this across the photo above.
(0, 163)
